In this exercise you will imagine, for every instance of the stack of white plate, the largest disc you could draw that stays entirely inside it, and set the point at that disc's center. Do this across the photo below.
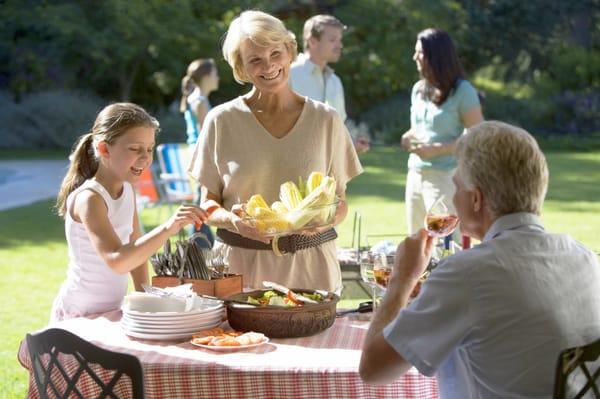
(148, 316)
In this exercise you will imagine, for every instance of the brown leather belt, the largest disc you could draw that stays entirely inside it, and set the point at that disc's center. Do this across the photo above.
(285, 244)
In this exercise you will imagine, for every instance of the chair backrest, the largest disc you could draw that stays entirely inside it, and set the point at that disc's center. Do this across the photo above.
(64, 366)
(146, 187)
(174, 159)
(580, 365)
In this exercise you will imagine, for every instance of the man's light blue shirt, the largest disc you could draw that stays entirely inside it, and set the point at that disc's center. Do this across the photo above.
(308, 79)
(491, 321)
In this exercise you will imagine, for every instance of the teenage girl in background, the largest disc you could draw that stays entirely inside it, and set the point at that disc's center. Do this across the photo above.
(201, 79)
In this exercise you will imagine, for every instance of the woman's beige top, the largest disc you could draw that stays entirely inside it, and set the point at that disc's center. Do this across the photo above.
(237, 158)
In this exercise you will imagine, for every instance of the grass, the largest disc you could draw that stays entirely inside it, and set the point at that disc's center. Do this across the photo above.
(33, 253)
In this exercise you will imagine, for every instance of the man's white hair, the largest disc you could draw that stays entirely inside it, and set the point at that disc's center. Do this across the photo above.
(507, 165)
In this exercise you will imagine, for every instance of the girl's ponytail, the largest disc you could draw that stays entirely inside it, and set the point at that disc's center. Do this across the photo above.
(187, 86)
(84, 165)
(196, 71)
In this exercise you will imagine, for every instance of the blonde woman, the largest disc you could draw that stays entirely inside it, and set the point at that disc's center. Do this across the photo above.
(266, 137)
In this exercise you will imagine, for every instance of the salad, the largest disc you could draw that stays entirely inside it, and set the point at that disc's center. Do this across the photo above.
(274, 298)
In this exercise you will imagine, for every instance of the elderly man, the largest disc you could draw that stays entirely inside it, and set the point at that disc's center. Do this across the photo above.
(489, 321)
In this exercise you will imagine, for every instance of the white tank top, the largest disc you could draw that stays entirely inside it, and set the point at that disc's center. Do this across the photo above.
(91, 285)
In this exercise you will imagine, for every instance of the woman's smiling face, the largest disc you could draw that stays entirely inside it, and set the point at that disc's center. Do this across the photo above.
(267, 67)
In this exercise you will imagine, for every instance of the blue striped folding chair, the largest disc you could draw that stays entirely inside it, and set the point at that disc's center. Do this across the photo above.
(174, 159)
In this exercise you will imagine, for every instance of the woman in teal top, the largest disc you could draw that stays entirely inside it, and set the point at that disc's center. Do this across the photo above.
(443, 104)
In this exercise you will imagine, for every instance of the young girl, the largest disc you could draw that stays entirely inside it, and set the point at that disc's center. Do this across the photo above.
(97, 201)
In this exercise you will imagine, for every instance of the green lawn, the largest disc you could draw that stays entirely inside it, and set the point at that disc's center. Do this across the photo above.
(33, 250)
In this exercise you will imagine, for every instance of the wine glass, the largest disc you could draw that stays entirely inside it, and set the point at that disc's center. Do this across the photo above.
(439, 222)
(366, 274)
(382, 269)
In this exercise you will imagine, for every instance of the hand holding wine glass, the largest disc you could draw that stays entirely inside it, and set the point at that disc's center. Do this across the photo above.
(438, 221)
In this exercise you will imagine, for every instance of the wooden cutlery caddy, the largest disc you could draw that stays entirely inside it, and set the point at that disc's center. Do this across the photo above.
(221, 288)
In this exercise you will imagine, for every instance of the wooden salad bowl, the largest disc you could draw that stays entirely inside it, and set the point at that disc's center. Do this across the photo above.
(279, 321)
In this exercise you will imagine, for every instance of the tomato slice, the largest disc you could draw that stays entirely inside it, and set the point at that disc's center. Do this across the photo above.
(292, 297)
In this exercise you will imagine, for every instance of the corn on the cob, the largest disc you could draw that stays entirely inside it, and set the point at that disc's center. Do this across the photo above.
(310, 207)
(268, 221)
(302, 187)
(328, 213)
(290, 195)
(265, 214)
(314, 181)
(279, 207)
(271, 226)
(255, 202)
(320, 195)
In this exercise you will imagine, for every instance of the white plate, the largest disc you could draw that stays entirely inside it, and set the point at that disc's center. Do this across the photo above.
(164, 337)
(147, 303)
(190, 330)
(194, 327)
(230, 348)
(174, 323)
(137, 324)
(171, 315)
(169, 320)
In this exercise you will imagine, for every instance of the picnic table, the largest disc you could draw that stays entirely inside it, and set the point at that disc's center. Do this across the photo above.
(324, 365)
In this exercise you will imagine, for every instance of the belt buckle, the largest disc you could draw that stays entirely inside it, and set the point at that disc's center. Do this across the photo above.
(275, 246)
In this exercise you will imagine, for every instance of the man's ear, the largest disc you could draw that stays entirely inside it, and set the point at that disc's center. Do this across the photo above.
(103, 149)
(477, 199)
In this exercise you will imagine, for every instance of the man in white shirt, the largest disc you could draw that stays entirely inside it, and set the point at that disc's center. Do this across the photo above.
(311, 76)
(489, 321)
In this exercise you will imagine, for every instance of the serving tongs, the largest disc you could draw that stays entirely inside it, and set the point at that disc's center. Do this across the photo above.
(286, 291)
(363, 307)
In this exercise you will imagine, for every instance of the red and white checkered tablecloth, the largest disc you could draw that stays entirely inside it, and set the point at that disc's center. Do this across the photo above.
(324, 365)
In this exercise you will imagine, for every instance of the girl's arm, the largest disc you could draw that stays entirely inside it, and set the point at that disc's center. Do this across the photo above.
(139, 275)
(200, 110)
(91, 211)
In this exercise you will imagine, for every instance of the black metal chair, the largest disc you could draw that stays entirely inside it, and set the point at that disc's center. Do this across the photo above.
(55, 379)
(582, 358)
